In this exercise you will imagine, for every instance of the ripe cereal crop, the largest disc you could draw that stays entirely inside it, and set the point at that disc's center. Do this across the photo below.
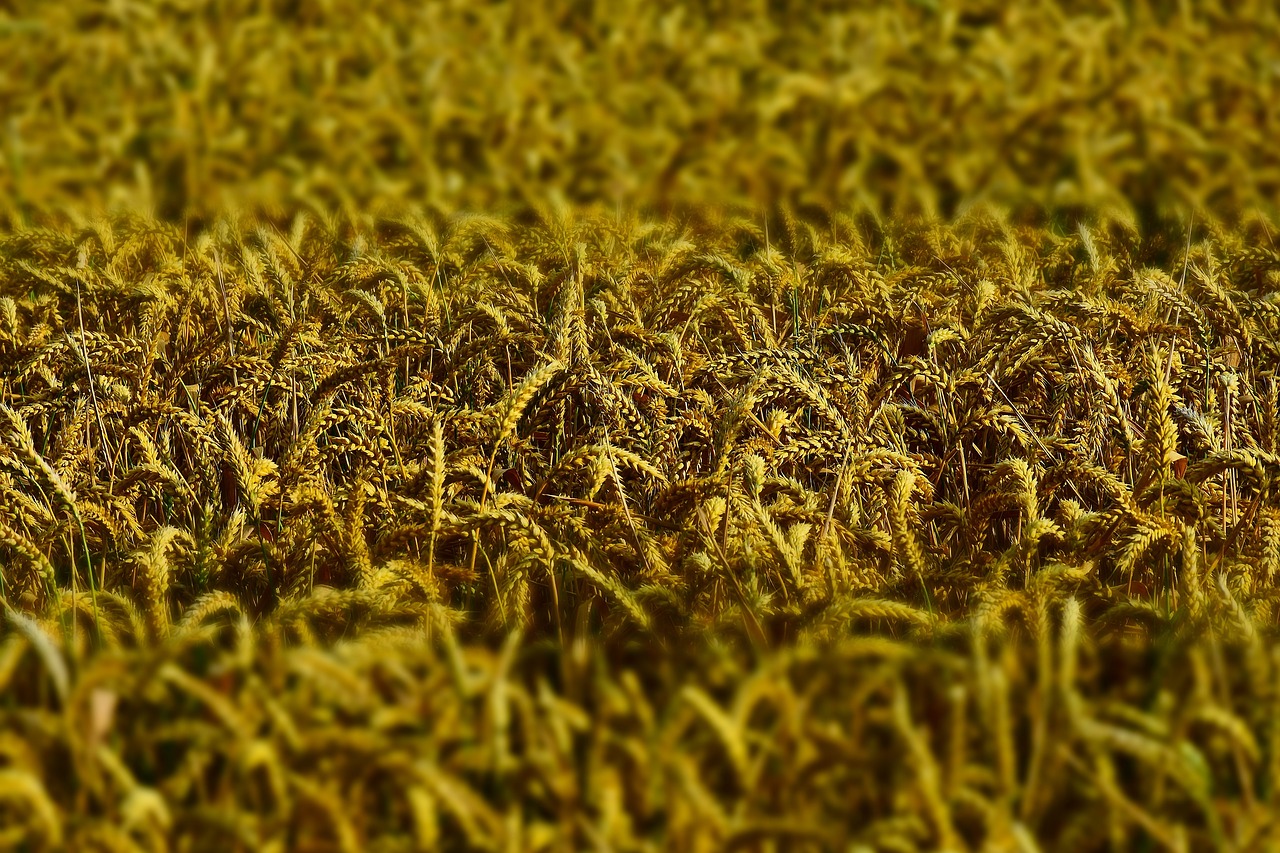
(742, 426)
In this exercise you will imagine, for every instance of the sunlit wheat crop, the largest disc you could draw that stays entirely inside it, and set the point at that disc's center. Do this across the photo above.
(524, 426)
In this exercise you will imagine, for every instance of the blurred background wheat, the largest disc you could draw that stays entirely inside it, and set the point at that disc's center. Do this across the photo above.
(195, 107)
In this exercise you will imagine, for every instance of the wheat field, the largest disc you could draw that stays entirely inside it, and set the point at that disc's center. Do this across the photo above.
(591, 426)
